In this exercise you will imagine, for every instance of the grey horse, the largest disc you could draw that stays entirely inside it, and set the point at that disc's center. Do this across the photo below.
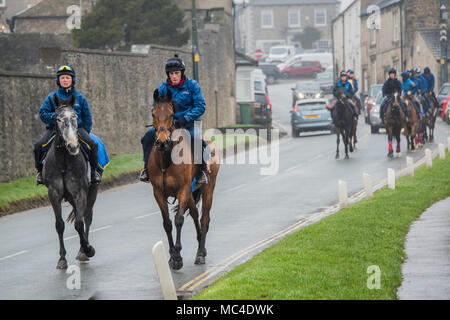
(65, 174)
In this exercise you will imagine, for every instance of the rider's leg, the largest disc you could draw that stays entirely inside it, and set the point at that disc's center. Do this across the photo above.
(353, 108)
(93, 157)
(404, 108)
(196, 140)
(147, 143)
(383, 108)
(38, 154)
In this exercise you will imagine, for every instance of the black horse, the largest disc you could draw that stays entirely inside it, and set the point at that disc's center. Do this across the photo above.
(395, 122)
(65, 173)
(343, 122)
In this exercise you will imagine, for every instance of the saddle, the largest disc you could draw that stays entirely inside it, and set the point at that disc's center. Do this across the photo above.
(103, 160)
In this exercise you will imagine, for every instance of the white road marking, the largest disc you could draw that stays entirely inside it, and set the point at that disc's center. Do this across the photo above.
(146, 215)
(236, 188)
(90, 231)
(14, 255)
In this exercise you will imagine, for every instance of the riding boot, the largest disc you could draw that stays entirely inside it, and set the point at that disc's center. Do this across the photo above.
(144, 175)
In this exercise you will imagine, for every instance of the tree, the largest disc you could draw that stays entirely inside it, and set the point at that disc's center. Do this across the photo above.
(307, 37)
(117, 24)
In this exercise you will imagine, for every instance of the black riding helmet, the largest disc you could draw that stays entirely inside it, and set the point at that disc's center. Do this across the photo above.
(175, 64)
(392, 70)
(66, 70)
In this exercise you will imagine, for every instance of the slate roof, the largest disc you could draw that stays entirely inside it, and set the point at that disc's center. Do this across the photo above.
(432, 38)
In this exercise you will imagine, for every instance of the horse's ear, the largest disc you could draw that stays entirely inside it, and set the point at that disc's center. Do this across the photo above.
(56, 100)
(156, 95)
(169, 95)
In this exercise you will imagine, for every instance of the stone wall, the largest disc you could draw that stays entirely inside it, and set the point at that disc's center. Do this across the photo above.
(20, 98)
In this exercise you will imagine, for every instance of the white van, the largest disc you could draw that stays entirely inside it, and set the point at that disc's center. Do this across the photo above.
(280, 53)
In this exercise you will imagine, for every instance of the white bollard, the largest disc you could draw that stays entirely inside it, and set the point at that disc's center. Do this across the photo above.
(428, 158)
(410, 166)
(343, 197)
(368, 185)
(441, 151)
(163, 270)
(391, 178)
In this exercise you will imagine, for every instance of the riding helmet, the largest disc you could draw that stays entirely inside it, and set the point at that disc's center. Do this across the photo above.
(418, 70)
(427, 70)
(66, 70)
(343, 73)
(350, 71)
(392, 70)
(175, 64)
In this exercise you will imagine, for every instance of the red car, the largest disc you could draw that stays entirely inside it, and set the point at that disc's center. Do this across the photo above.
(302, 68)
(445, 115)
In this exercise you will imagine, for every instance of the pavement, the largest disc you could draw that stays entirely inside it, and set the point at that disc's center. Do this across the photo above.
(426, 271)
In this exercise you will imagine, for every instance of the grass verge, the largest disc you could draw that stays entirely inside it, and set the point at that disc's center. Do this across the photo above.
(329, 259)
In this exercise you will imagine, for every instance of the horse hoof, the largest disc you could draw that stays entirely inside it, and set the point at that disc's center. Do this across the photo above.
(390, 155)
(91, 252)
(337, 157)
(347, 157)
(82, 257)
(62, 264)
(351, 149)
(200, 260)
(176, 264)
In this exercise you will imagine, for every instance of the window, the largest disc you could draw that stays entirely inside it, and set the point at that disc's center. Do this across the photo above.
(294, 18)
(320, 17)
(396, 25)
(267, 19)
(2, 3)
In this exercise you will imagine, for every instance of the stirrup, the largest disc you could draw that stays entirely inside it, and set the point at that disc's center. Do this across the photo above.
(96, 177)
(144, 176)
(39, 179)
(204, 177)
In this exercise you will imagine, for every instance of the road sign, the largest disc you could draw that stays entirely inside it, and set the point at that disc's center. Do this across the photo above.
(259, 54)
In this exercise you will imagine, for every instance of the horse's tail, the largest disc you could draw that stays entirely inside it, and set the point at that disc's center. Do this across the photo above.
(197, 196)
(71, 217)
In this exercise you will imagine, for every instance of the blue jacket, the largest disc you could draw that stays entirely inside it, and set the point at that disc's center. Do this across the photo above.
(429, 81)
(409, 85)
(188, 98)
(347, 86)
(81, 106)
(421, 85)
(355, 85)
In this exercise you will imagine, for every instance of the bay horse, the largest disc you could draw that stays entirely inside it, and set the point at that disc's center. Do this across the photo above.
(430, 118)
(412, 126)
(65, 174)
(395, 122)
(343, 122)
(171, 178)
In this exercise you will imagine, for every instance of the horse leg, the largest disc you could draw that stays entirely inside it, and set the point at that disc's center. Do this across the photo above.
(193, 212)
(167, 223)
(207, 197)
(55, 199)
(183, 198)
(338, 133)
(80, 201)
(391, 151)
(345, 139)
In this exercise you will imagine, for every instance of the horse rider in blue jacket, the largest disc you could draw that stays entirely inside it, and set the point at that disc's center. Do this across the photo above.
(66, 79)
(354, 84)
(421, 86)
(410, 89)
(429, 80)
(343, 82)
(190, 103)
(391, 86)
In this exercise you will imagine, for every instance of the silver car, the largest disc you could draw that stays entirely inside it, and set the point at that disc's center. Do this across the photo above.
(311, 115)
(374, 115)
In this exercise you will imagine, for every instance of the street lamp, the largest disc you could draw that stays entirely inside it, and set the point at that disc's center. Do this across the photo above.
(195, 53)
(443, 40)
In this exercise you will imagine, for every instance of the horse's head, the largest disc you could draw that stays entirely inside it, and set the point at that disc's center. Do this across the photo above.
(163, 120)
(66, 123)
(341, 95)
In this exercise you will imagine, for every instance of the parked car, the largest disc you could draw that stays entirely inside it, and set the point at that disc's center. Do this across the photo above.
(280, 53)
(326, 83)
(374, 115)
(445, 114)
(443, 94)
(306, 90)
(262, 110)
(271, 71)
(370, 100)
(311, 115)
(302, 68)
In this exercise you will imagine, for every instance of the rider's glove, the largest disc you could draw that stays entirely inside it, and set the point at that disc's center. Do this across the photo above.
(180, 123)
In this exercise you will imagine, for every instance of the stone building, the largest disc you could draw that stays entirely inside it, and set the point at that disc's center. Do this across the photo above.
(405, 36)
(51, 16)
(265, 23)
